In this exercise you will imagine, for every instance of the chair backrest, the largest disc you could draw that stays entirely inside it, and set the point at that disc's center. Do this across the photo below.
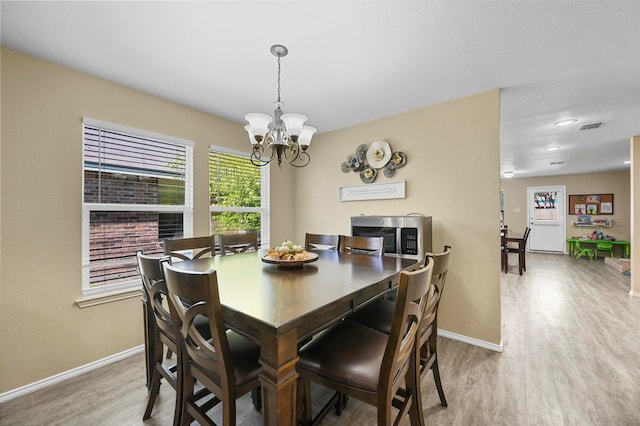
(198, 246)
(440, 268)
(194, 294)
(155, 289)
(604, 245)
(526, 235)
(410, 305)
(238, 243)
(373, 246)
(429, 323)
(321, 242)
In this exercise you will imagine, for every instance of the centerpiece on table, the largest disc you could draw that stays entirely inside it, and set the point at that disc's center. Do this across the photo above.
(289, 254)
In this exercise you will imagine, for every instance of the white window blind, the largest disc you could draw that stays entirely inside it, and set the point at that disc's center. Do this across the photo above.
(137, 191)
(238, 194)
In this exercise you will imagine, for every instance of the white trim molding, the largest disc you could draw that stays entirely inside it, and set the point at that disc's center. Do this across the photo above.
(50, 381)
(65, 375)
(633, 293)
(99, 299)
(470, 340)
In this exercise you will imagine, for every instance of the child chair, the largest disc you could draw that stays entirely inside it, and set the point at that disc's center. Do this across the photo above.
(583, 251)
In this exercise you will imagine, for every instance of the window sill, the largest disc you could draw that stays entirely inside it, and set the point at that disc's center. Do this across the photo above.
(85, 302)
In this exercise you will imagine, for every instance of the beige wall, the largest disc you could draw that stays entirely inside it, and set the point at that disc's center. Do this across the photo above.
(635, 209)
(452, 174)
(616, 183)
(44, 333)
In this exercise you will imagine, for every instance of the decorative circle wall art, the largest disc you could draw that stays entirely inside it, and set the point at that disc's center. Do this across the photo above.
(367, 160)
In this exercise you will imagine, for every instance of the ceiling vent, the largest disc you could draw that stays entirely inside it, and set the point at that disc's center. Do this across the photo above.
(556, 163)
(590, 126)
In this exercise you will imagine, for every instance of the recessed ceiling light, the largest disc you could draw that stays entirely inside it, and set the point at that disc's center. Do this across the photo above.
(507, 174)
(563, 123)
(552, 148)
(627, 162)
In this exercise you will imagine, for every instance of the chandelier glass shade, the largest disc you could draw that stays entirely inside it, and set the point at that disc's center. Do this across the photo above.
(284, 134)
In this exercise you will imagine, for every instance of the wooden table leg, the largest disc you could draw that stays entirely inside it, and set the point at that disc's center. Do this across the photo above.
(278, 357)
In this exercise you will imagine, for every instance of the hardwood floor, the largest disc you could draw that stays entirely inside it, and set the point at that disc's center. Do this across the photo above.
(571, 336)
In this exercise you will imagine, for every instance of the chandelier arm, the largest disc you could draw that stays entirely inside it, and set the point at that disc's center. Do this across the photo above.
(300, 156)
(257, 158)
(294, 150)
(302, 159)
(256, 161)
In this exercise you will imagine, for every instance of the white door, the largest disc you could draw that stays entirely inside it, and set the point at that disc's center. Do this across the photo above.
(546, 206)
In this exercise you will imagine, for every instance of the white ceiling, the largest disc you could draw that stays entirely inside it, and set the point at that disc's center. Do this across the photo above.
(354, 61)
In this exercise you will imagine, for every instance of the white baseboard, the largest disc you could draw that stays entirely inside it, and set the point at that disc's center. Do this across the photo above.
(634, 293)
(49, 381)
(470, 340)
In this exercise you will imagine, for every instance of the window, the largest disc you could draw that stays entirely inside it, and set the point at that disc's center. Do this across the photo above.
(238, 194)
(137, 191)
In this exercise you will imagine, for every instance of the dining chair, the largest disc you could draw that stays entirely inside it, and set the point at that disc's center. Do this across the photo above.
(160, 332)
(321, 241)
(238, 243)
(504, 250)
(373, 246)
(226, 364)
(520, 248)
(604, 246)
(379, 314)
(189, 248)
(358, 361)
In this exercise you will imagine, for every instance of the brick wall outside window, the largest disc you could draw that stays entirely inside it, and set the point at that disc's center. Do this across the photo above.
(120, 189)
(116, 235)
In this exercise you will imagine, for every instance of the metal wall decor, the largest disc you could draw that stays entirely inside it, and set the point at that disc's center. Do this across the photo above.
(368, 161)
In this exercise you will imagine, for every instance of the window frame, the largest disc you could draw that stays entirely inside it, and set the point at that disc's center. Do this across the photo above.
(265, 196)
(87, 208)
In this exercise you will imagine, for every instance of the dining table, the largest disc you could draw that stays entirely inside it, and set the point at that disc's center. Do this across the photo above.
(281, 306)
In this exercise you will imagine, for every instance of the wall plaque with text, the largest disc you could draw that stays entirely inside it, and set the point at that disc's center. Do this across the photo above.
(373, 191)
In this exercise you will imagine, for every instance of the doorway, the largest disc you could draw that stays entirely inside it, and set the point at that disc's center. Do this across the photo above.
(546, 206)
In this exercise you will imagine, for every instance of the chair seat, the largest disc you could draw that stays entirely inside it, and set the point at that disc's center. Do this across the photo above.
(377, 315)
(245, 354)
(348, 353)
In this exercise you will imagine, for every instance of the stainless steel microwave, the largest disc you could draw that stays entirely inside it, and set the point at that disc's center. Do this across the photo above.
(404, 236)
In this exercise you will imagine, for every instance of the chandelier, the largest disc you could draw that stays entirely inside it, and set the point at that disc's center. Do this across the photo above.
(285, 134)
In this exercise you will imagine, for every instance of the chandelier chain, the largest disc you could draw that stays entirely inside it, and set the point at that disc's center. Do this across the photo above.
(278, 79)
